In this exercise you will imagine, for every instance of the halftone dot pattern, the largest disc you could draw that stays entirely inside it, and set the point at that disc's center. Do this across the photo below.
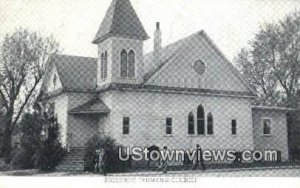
(170, 89)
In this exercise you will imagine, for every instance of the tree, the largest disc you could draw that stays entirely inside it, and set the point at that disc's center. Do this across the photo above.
(272, 67)
(23, 58)
(272, 64)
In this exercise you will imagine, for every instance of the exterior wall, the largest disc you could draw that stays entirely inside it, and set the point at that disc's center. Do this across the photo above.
(148, 113)
(61, 111)
(114, 46)
(104, 124)
(278, 140)
(81, 127)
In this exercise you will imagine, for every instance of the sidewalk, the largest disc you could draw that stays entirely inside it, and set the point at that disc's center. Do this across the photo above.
(283, 171)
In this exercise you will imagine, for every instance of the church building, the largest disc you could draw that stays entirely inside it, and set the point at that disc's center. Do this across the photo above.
(179, 95)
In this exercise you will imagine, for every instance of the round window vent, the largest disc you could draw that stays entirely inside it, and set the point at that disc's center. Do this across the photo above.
(199, 67)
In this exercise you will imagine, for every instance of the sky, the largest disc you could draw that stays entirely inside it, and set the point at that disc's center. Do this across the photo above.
(74, 23)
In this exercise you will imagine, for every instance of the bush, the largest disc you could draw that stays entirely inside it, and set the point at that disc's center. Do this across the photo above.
(21, 159)
(51, 151)
(36, 151)
(112, 162)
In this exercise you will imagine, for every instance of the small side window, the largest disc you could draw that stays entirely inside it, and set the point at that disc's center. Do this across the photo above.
(169, 123)
(233, 127)
(267, 126)
(126, 124)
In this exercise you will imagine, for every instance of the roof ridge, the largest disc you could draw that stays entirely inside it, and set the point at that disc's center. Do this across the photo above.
(76, 56)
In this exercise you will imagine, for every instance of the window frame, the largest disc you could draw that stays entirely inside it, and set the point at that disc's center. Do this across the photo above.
(210, 117)
(168, 126)
(263, 126)
(123, 52)
(201, 120)
(125, 126)
(105, 60)
(191, 115)
(129, 64)
(54, 81)
(234, 128)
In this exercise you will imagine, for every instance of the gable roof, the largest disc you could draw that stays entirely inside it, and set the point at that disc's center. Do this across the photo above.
(94, 106)
(167, 54)
(171, 51)
(78, 73)
(121, 20)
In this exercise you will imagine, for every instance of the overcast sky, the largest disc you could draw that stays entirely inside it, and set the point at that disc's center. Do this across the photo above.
(74, 23)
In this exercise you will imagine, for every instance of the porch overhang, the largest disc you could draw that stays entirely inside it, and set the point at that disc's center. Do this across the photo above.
(94, 106)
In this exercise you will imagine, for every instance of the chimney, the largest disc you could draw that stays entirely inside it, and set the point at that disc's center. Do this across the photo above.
(157, 44)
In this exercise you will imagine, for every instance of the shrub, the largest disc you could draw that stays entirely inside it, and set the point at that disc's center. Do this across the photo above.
(36, 151)
(112, 162)
(51, 151)
(21, 159)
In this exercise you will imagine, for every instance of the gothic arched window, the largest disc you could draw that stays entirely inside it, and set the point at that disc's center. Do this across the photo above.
(191, 124)
(210, 124)
(102, 66)
(105, 66)
(124, 64)
(131, 64)
(200, 121)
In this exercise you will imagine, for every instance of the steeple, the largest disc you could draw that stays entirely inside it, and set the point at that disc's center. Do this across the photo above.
(121, 20)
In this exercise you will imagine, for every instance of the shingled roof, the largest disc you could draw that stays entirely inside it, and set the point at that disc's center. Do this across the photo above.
(76, 72)
(94, 106)
(121, 20)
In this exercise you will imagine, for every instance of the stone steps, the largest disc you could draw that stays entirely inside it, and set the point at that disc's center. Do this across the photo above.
(72, 161)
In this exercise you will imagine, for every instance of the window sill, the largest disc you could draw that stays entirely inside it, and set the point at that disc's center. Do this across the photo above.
(125, 136)
(168, 135)
(192, 135)
(267, 135)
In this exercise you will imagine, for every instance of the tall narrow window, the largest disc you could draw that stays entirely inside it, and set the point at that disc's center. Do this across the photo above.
(266, 126)
(131, 64)
(200, 121)
(126, 123)
(123, 64)
(102, 66)
(210, 124)
(233, 127)
(54, 82)
(169, 122)
(105, 65)
(191, 124)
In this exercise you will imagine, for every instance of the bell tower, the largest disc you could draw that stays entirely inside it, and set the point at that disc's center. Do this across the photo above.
(120, 41)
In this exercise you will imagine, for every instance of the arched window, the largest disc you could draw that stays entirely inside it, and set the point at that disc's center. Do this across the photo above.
(102, 66)
(200, 120)
(210, 124)
(105, 66)
(124, 64)
(191, 124)
(131, 64)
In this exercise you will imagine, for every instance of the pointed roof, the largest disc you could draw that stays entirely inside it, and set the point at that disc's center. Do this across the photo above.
(74, 72)
(121, 20)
